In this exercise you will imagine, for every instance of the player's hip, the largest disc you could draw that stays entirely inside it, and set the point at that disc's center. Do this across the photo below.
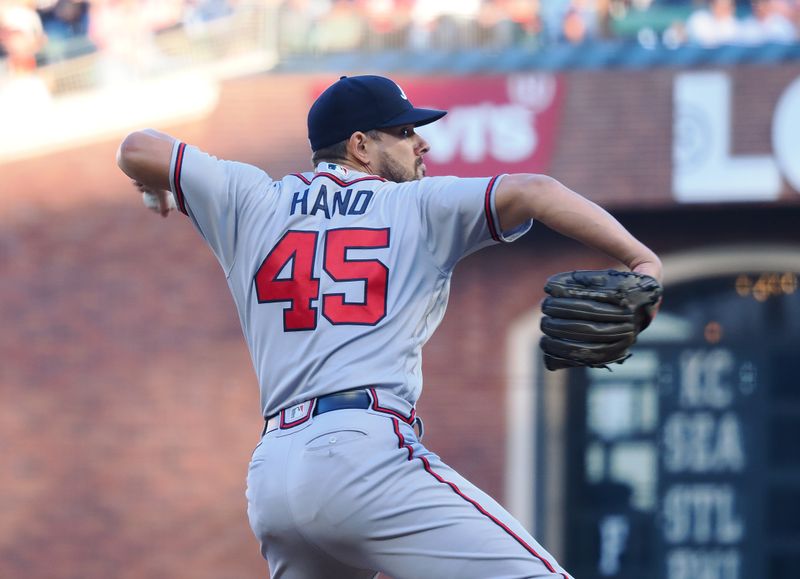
(359, 485)
(317, 476)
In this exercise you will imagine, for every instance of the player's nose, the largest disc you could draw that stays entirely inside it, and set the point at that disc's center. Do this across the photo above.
(422, 145)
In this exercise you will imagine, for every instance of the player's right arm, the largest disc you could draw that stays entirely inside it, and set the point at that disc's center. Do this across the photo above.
(145, 156)
(213, 193)
(527, 196)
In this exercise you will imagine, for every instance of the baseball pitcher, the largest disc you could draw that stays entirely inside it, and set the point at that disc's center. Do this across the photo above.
(340, 275)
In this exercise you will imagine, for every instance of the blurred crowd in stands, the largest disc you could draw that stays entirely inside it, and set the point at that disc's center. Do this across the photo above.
(37, 32)
(719, 23)
(320, 26)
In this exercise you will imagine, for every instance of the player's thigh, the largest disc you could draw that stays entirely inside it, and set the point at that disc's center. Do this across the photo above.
(283, 537)
(300, 560)
(432, 522)
(389, 504)
(459, 531)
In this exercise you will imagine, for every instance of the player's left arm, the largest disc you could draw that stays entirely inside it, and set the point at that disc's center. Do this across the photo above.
(522, 197)
(145, 157)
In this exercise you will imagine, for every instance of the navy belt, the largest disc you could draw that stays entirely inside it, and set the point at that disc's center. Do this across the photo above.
(328, 403)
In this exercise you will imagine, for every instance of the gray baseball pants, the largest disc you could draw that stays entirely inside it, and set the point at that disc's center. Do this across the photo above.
(349, 493)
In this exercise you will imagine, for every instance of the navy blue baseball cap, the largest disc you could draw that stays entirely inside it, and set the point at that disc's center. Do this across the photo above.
(362, 103)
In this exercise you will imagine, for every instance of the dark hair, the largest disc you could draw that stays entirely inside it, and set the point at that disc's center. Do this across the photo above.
(338, 151)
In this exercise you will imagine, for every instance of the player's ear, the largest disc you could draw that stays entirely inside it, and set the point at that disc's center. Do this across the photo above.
(359, 146)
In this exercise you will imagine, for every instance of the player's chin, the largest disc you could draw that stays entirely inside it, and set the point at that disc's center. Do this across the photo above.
(421, 171)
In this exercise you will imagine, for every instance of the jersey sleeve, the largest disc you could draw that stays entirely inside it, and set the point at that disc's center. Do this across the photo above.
(214, 193)
(459, 217)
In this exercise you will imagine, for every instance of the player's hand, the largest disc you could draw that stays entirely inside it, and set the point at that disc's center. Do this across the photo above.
(157, 200)
(652, 268)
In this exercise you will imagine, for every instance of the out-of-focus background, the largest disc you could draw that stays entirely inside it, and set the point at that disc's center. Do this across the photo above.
(128, 407)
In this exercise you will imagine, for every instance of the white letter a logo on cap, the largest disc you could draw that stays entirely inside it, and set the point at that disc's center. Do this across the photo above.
(402, 94)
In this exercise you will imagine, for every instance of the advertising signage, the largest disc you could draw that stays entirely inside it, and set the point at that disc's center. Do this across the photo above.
(495, 124)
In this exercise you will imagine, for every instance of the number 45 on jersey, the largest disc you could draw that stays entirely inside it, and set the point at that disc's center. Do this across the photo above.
(301, 288)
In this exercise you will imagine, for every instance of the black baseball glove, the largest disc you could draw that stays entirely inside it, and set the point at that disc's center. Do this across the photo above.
(591, 318)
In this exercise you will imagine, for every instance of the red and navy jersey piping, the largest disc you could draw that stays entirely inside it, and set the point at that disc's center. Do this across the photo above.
(176, 177)
(336, 179)
(487, 208)
(376, 406)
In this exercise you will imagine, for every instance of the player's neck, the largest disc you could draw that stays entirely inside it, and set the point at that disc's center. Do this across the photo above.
(350, 164)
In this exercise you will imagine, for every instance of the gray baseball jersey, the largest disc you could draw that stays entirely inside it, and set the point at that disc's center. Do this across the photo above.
(339, 277)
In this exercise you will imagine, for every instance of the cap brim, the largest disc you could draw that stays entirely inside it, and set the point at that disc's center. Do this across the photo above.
(415, 116)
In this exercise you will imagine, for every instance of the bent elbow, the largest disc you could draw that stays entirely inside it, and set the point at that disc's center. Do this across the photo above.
(130, 152)
(144, 156)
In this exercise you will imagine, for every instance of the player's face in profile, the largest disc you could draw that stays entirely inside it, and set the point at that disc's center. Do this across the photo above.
(400, 154)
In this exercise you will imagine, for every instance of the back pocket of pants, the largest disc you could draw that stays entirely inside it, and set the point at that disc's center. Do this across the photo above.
(335, 439)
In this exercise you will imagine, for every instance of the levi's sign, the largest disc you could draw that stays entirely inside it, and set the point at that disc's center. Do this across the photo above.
(495, 124)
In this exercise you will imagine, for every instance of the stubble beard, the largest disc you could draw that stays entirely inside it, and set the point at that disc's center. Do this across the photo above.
(392, 170)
